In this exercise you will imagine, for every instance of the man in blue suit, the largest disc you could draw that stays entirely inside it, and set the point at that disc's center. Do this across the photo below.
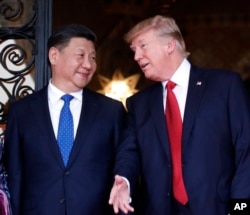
(39, 181)
(215, 138)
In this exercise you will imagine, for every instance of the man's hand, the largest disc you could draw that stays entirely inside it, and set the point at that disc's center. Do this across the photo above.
(120, 196)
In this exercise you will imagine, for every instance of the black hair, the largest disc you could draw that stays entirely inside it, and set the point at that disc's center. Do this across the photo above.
(61, 37)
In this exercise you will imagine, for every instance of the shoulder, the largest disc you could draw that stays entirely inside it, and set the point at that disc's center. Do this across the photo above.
(99, 99)
(142, 95)
(146, 97)
(217, 80)
(214, 73)
(155, 87)
(30, 98)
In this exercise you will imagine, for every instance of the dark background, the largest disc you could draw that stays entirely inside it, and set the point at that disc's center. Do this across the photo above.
(216, 32)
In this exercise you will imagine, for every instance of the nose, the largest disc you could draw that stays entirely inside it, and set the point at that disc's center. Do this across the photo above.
(137, 55)
(86, 63)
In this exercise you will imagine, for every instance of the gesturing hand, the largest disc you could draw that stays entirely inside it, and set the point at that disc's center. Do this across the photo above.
(120, 196)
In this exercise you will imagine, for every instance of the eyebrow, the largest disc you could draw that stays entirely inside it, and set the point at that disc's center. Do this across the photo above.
(139, 42)
(85, 49)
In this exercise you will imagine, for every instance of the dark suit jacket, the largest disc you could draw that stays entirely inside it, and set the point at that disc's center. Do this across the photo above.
(38, 181)
(215, 144)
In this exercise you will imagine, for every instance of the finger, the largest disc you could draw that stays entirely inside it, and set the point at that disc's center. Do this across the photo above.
(112, 195)
(129, 208)
(125, 208)
(116, 206)
(116, 209)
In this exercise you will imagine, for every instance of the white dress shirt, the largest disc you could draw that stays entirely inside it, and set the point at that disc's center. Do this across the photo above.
(181, 78)
(56, 104)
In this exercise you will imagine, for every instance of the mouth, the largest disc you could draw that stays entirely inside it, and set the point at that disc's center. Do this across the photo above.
(83, 75)
(143, 65)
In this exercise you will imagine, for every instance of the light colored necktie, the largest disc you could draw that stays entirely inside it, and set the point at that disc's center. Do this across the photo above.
(65, 136)
(174, 126)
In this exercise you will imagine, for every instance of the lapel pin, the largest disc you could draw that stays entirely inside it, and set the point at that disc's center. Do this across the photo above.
(199, 83)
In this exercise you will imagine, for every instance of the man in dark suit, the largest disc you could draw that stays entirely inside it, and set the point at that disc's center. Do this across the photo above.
(38, 179)
(214, 143)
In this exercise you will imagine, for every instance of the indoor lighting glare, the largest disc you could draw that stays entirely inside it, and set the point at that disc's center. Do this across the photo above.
(118, 87)
(118, 90)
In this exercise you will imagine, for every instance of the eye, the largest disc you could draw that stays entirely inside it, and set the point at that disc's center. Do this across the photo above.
(143, 45)
(93, 58)
(81, 54)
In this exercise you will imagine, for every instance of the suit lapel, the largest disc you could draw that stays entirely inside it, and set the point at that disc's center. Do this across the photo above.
(196, 88)
(158, 115)
(40, 107)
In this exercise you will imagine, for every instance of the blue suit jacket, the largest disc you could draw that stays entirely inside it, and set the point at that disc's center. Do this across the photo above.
(38, 181)
(215, 144)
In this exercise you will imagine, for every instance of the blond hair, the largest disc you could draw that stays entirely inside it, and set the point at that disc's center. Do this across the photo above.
(163, 26)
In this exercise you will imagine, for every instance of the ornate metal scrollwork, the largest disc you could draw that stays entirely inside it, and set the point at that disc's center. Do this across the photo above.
(8, 10)
(16, 66)
(15, 55)
(17, 49)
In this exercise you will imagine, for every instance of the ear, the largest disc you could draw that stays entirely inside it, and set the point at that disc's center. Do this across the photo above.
(171, 44)
(53, 55)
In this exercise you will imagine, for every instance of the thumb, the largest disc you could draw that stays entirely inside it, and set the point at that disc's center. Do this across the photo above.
(118, 179)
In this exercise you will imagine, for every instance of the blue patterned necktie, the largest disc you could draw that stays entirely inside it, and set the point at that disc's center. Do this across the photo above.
(65, 136)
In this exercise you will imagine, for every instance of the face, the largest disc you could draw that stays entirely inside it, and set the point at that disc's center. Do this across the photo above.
(74, 66)
(152, 54)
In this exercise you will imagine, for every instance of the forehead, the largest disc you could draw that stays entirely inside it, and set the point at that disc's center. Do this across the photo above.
(81, 42)
(143, 37)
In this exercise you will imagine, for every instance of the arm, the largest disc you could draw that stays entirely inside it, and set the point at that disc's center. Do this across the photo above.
(12, 160)
(128, 165)
(240, 127)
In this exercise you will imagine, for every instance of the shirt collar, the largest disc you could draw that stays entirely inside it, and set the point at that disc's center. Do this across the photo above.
(181, 75)
(54, 94)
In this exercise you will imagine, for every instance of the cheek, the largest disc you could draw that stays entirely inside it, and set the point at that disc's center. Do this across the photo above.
(67, 63)
(94, 66)
(160, 57)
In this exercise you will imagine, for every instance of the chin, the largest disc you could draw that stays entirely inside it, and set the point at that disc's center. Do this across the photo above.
(82, 84)
(150, 77)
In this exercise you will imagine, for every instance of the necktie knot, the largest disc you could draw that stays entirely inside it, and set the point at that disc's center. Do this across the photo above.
(170, 85)
(67, 98)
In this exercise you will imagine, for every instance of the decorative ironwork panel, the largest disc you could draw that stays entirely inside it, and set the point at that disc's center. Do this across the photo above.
(24, 29)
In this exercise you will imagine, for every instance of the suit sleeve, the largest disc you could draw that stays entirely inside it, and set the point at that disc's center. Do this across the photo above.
(127, 159)
(13, 160)
(239, 111)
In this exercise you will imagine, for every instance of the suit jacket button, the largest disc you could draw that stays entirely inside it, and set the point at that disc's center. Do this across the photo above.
(66, 173)
(62, 200)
